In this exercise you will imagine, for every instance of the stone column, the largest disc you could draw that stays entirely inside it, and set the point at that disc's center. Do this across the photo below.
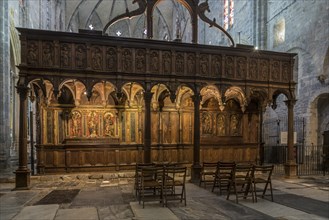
(291, 166)
(5, 82)
(196, 168)
(147, 127)
(22, 173)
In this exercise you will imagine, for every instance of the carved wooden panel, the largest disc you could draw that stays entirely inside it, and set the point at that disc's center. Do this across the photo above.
(80, 56)
(216, 65)
(253, 69)
(191, 64)
(229, 67)
(127, 60)
(140, 60)
(97, 57)
(48, 53)
(204, 65)
(66, 55)
(264, 70)
(155, 61)
(180, 63)
(275, 71)
(33, 53)
(166, 62)
(241, 68)
(111, 59)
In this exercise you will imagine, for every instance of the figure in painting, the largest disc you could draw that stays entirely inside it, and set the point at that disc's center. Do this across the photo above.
(76, 117)
(92, 124)
(108, 125)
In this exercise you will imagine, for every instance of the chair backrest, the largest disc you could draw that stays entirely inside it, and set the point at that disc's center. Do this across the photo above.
(151, 173)
(263, 171)
(225, 168)
(175, 173)
(209, 166)
(243, 171)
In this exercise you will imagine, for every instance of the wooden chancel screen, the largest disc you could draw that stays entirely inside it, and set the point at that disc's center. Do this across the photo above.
(107, 103)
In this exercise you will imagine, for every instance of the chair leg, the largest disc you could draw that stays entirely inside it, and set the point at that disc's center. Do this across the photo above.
(271, 191)
(255, 192)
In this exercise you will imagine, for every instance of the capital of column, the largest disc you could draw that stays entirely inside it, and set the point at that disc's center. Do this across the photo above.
(196, 98)
(148, 96)
(290, 103)
(22, 91)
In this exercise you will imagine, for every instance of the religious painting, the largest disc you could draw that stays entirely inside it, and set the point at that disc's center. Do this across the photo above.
(92, 124)
(80, 56)
(109, 124)
(76, 119)
(206, 123)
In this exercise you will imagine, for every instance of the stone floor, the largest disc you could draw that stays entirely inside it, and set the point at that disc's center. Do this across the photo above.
(105, 196)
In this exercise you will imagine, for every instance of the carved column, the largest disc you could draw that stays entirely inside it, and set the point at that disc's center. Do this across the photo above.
(196, 168)
(291, 166)
(147, 127)
(22, 173)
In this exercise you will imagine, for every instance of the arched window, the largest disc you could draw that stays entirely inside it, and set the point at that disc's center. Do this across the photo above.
(228, 14)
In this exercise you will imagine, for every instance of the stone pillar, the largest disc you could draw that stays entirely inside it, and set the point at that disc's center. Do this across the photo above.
(22, 173)
(5, 140)
(196, 168)
(291, 166)
(147, 127)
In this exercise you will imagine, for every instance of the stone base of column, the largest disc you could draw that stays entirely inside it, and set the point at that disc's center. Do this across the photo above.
(290, 169)
(22, 179)
(195, 173)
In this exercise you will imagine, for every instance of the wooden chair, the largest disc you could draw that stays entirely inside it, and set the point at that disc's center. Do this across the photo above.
(138, 170)
(262, 175)
(207, 173)
(241, 182)
(174, 184)
(151, 186)
(223, 176)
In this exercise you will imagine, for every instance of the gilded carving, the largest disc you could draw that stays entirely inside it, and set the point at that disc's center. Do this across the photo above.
(253, 69)
(190, 64)
(166, 62)
(48, 54)
(275, 74)
(229, 67)
(264, 70)
(206, 123)
(65, 55)
(76, 124)
(32, 53)
(235, 125)
(126, 60)
(216, 65)
(204, 64)
(80, 56)
(96, 56)
(140, 61)
(180, 63)
(111, 59)
(221, 125)
(241, 67)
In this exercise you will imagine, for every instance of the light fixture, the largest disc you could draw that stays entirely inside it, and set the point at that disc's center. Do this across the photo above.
(145, 31)
(118, 33)
(256, 48)
(91, 27)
